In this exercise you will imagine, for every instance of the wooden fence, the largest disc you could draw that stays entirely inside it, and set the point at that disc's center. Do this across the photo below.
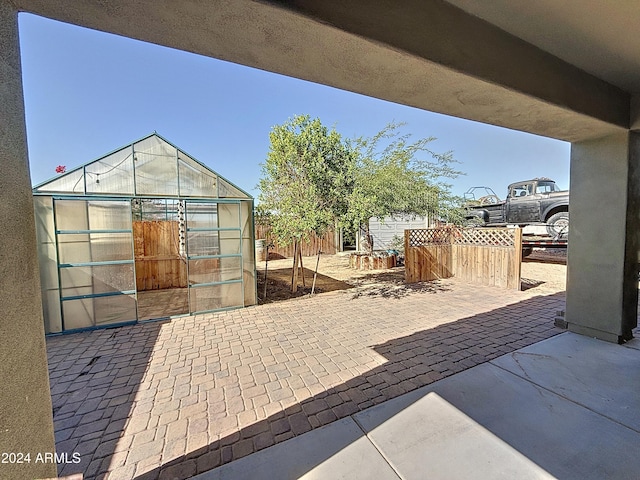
(326, 244)
(486, 256)
(157, 257)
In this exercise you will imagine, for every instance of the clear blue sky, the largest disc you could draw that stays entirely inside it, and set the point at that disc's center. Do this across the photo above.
(88, 93)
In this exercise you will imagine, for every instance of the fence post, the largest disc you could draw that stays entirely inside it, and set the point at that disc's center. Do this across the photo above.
(453, 251)
(407, 255)
(518, 262)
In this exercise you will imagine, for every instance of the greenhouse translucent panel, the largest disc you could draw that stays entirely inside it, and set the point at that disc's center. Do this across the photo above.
(45, 229)
(111, 174)
(203, 243)
(202, 215)
(229, 242)
(226, 190)
(98, 279)
(231, 269)
(48, 265)
(229, 215)
(71, 214)
(215, 297)
(195, 180)
(51, 310)
(248, 253)
(77, 291)
(74, 248)
(90, 312)
(78, 314)
(72, 182)
(111, 246)
(109, 215)
(93, 215)
(155, 209)
(211, 270)
(74, 282)
(156, 165)
(45, 234)
(47, 258)
(94, 247)
(117, 309)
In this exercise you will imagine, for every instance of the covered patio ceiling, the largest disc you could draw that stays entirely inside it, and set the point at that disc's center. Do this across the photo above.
(565, 70)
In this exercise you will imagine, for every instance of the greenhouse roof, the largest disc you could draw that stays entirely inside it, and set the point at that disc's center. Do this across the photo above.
(151, 166)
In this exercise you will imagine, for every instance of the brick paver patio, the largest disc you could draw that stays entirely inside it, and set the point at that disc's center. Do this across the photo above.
(171, 399)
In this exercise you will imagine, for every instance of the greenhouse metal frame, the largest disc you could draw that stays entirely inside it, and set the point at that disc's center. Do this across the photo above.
(143, 233)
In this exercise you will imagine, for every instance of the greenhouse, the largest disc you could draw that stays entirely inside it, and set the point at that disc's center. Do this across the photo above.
(145, 232)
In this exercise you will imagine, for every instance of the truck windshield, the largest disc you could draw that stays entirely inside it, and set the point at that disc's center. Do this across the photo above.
(547, 187)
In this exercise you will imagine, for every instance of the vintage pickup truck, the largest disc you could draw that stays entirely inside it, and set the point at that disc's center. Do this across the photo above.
(530, 202)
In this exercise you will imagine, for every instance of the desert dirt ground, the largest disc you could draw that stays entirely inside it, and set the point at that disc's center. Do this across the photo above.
(543, 270)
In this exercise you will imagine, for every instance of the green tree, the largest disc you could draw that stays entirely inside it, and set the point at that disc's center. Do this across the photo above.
(305, 180)
(394, 176)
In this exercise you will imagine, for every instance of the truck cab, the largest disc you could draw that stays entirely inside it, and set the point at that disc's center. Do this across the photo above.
(529, 201)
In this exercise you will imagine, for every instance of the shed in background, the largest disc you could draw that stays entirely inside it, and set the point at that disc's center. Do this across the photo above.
(388, 233)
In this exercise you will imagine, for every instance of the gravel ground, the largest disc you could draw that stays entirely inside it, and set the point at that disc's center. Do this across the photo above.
(544, 270)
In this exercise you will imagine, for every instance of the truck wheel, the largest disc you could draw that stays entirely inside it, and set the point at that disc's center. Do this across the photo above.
(558, 225)
(526, 251)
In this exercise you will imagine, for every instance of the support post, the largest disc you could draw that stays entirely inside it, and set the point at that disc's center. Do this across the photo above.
(602, 281)
(517, 264)
(26, 421)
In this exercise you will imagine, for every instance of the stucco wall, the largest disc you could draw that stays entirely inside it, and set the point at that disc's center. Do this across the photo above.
(601, 288)
(26, 424)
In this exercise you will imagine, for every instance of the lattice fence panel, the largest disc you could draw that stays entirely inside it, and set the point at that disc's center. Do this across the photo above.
(495, 237)
(429, 236)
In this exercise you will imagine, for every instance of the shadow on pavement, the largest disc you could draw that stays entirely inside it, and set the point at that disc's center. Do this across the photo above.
(393, 285)
(412, 362)
(94, 379)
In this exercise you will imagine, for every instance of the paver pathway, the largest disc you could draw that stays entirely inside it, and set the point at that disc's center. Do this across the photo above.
(171, 399)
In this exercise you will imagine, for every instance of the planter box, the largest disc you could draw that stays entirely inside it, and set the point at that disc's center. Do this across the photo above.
(377, 261)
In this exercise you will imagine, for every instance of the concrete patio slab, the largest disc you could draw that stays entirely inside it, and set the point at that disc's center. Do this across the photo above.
(433, 439)
(486, 422)
(337, 451)
(635, 342)
(601, 376)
